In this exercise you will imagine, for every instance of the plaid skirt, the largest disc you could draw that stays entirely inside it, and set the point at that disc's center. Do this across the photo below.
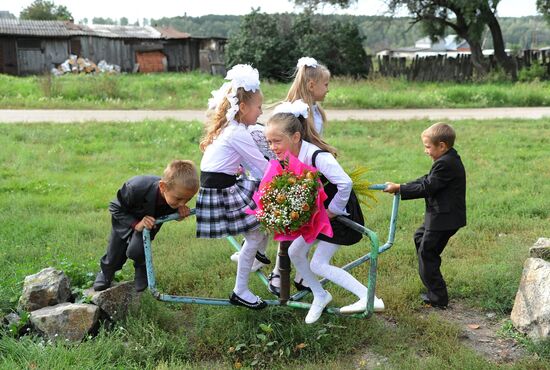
(221, 212)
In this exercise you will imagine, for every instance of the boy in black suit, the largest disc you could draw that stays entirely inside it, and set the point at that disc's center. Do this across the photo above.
(444, 191)
(138, 203)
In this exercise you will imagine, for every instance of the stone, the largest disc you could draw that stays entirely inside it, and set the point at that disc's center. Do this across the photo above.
(45, 288)
(15, 324)
(66, 321)
(531, 312)
(116, 300)
(541, 249)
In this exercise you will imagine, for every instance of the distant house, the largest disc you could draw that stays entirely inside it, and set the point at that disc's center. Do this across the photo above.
(34, 47)
(450, 45)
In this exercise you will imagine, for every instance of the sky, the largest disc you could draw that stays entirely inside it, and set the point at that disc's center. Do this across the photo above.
(139, 9)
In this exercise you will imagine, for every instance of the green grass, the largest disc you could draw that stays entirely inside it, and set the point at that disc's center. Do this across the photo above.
(56, 181)
(192, 90)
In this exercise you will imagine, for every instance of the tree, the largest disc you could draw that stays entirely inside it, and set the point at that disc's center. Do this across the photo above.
(467, 18)
(123, 21)
(101, 20)
(543, 7)
(46, 11)
(273, 44)
(314, 4)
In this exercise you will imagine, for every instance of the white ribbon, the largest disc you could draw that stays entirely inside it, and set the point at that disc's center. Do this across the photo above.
(297, 108)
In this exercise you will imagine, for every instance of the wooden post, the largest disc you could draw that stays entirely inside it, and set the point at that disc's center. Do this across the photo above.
(284, 271)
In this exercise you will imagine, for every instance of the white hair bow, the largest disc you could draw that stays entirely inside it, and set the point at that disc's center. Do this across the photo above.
(307, 61)
(241, 75)
(297, 108)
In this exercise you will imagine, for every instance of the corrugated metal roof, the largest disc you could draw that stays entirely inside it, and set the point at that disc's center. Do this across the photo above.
(66, 29)
(33, 28)
(122, 32)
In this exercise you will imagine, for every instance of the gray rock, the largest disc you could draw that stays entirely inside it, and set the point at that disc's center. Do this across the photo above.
(45, 288)
(66, 321)
(531, 312)
(541, 249)
(116, 300)
(15, 325)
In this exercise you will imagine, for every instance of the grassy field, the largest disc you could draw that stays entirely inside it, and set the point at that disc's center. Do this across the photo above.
(56, 182)
(192, 90)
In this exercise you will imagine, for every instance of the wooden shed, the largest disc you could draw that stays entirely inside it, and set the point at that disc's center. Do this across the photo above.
(34, 47)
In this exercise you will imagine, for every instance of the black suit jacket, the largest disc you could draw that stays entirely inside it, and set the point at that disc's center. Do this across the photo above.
(444, 191)
(136, 199)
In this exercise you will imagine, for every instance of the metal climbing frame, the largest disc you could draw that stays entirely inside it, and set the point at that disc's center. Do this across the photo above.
(285, 298)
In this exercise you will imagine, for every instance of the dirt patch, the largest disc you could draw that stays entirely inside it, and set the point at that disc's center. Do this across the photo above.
(479, 332)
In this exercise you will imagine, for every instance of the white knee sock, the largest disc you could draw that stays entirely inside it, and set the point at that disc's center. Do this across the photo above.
(320, 265)
(298, 255)
(253, 241)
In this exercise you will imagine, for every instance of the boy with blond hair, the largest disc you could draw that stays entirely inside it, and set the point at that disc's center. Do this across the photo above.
(444, 191)
(138, 203)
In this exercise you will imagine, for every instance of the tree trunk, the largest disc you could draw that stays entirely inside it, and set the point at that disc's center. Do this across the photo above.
(502, 58)
(476, 55)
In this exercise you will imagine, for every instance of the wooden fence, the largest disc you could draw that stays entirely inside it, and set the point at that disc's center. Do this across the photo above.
(456, 69)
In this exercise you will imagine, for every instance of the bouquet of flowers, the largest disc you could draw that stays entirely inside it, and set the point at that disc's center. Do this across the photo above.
(290, 201)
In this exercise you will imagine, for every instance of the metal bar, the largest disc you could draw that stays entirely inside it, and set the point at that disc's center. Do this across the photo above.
(284, 271)
(372, 256)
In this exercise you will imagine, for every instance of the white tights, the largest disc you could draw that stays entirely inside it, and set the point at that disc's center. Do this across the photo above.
(254, 240)
(320, 265)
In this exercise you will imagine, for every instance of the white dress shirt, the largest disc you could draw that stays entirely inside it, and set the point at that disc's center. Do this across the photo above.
(327, 165)
(317, 119)
(234, 147)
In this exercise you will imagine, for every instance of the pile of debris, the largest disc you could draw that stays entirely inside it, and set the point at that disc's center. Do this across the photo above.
(83, 65)
(47, 307)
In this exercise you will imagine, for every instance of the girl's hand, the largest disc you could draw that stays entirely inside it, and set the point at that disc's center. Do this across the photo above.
(147, 222)
(330, 214)
(184, 212)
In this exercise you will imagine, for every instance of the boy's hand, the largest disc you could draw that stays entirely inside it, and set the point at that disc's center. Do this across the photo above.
(184, 212)
(330, 214)
(147, 222)
(392, 188)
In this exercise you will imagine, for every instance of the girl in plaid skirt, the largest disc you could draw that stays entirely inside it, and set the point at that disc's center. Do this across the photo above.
(224, 197)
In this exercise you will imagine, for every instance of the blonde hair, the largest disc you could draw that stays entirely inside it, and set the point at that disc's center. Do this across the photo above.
(289, 124)
(440, 132)
(182, 172)
(217, 121)
(299, 89)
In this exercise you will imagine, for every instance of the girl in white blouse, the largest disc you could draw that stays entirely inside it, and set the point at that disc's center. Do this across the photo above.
(285, 132)
(310, 85)
(223, 196)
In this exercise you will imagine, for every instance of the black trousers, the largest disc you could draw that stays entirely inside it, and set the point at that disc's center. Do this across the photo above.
(119, 250)
(429, 246)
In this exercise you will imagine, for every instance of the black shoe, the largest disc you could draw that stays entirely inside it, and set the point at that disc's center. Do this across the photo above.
(140, 278)
(426, 300)
(263, 258)
(238, 301)
(272, 288)
(102, 282)
(300, 286)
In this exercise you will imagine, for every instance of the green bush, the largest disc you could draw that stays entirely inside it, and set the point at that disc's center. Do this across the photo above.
(273, 44)
(535, 72)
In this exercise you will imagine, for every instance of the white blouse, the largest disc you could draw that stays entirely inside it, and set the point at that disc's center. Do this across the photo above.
(234, 147)
(317, 119)
(331, 169)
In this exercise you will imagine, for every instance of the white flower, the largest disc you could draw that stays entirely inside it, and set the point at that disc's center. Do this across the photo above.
(307, 61)
(297, 108)
(241, 75)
